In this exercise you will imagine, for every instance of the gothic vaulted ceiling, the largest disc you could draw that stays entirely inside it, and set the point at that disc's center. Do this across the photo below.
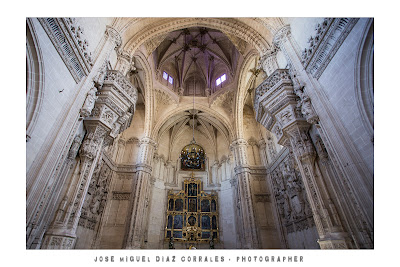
(197, 56)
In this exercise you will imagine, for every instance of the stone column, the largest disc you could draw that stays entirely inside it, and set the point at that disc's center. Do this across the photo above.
(306, 69)
(62, 234)
(327, 222)
(105, 120)
(278, 110)
(244, 195)
(135, 231)
(43, 177)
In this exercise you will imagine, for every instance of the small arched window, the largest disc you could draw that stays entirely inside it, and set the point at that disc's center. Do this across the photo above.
(168, 78)
(220, 80)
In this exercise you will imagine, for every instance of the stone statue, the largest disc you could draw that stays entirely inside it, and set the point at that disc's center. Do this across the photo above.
(73, 151)
(90, 100)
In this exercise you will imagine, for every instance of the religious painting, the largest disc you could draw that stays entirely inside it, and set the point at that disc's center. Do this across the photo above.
(179, 205)
(192, 221)
(192, 188)
(192, 204)
(178, 221)
(205, 205)
(205, 222)
(192, 214)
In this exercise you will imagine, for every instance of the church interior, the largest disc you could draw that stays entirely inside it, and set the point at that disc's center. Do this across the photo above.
(206, 133)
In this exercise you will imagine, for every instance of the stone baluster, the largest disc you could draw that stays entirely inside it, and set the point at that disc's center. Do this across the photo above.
(244, 195)
(137, 221)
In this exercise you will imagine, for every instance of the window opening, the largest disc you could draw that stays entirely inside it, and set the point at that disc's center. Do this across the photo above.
(168, 78)
(220, 80)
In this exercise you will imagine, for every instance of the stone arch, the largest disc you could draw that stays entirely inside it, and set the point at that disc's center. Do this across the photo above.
(364, 73)
(34, 78)
(148, 93)
(202, 107)
(165, 25)
(243, 86)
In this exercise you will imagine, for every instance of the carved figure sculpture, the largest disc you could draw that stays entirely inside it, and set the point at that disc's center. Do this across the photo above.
(90, 100)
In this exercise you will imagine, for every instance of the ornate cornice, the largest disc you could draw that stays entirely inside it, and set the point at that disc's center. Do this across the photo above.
(67, 37)
(330, 35)
(280, 35)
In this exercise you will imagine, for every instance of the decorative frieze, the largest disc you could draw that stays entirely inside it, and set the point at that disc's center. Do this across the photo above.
(121, 195)
(68, 39)
(122, 85)
(329, 36)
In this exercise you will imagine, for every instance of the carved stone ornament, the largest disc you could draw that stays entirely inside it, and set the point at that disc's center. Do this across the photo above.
(92, 142)
(68, 39)
(329, 36)
(268, 61)
(76, 143)
(304, 103)
(280, 35)
(114, 35)
(90, 100)
(122, 85)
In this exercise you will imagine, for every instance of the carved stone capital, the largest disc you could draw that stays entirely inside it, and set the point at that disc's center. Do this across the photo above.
(114, 35)
(268, 61)
(124, 62)
(121, 85)
(148, 141)
(239, 142)
(280, 36)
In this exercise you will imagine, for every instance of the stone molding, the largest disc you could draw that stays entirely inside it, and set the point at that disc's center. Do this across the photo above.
(122, 85)
(120, 195)
(330, 35)
(67, 37)
(228, 26)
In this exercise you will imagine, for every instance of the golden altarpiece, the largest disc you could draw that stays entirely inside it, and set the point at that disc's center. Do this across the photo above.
(192, 214)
